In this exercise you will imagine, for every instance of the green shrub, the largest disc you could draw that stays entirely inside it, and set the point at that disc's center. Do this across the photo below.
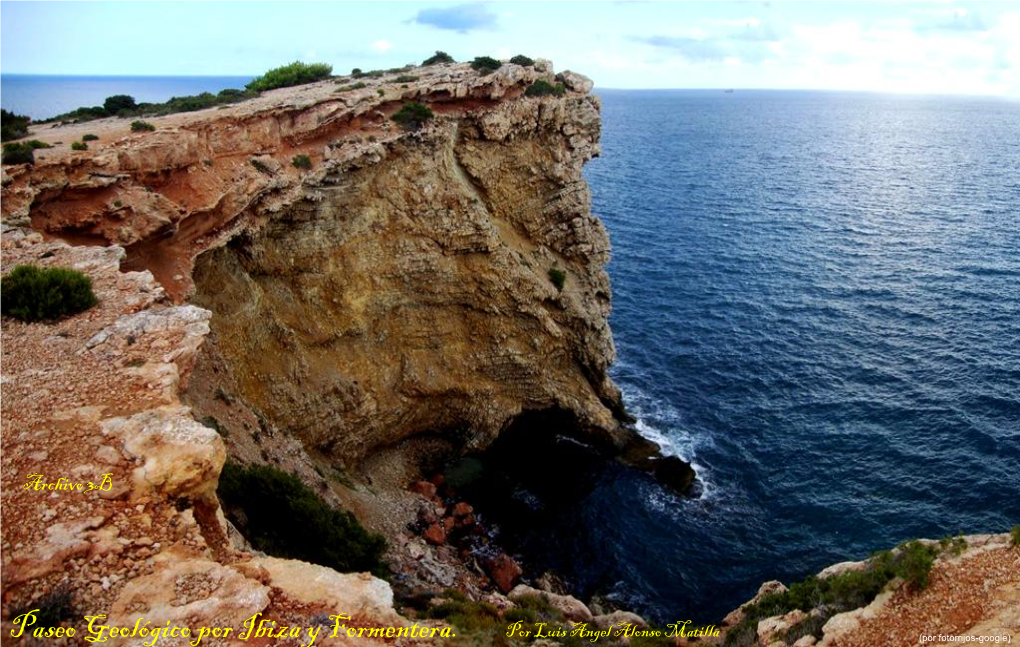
(31, 293)
(465, 614)
(13, 126)
(19, 153)
(356, 72)
(89, 138)
(142, 127)
(438, 58)
(915, 562)
(542, 88)
(79, 146)
(412, 116)
(485, 65)
(380, 92)
(558, 277)
(1015, 536)
(35, 143)
(353, 86)
(302, 161)
(261, 167)
(953, 545)
(297, 73)
(849, 590)
(406, 78)
(285, 518)
(521, 59)
(116, 103)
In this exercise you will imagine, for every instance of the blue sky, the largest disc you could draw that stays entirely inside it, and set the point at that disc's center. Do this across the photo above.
(938, 47)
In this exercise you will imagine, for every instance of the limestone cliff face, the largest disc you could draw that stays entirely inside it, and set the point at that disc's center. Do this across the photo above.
(411, 294)
(402, 286)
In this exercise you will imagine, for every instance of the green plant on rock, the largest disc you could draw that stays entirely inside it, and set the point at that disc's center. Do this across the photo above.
(1014, 536)
(142, 127)
(521, 59)
(405, 78)
(852, 589)
(282, 516)
(79, 146)
(89, 137)
(296, 73)
(302, 161)
(558, 277)
(261, 166)
(31, 293)
(19, 153)
(438, 58)
(485, 65)
(541, 88)
(412, 116)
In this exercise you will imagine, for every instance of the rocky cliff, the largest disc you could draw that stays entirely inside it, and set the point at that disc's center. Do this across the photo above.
(399, 288)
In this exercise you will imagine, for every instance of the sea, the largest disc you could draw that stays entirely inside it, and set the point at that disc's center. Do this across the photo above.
(816, 301)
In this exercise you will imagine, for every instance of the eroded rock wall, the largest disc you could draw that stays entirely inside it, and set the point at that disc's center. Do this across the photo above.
(410, 292)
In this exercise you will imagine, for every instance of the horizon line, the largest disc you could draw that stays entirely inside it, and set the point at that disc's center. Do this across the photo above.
(1008, 97)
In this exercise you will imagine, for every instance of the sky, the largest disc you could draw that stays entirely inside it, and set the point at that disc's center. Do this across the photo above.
(910, 47)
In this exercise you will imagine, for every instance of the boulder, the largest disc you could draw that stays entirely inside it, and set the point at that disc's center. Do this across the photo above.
(189, 592)
(505, 572)
(435, 534)
(618, 619)
(424, 488)
(359, 594)
(674, 473)
(576, 82)
(571, 608)
(772, 629)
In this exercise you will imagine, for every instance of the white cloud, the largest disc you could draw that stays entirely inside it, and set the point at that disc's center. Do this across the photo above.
(382, 45)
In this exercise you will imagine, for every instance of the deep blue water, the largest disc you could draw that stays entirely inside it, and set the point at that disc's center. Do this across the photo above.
(41, 97)
(817, 301)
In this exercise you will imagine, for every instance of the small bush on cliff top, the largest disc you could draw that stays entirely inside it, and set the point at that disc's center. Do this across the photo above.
(116, 103)
(30, 293)
(141, 127)
(283, 517)
(19, 153)
(1015, 535)
(79, 146)
(89, 138)
(438, 58)
(13, 126)
(297, 73)
(302, 161)
(521, 59)
(542, 88)
(412, 116)
(485, 65)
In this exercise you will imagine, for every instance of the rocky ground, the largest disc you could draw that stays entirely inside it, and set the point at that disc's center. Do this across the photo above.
(971, 592)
